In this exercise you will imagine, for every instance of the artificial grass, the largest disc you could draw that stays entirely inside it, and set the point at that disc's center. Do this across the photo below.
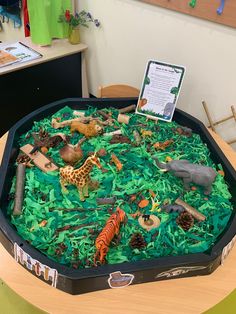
(74, 246)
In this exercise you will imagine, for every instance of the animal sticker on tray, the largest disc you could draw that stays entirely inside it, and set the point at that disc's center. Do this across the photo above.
(160, 90)
(227, 250)
(119, 280)
(49, 274)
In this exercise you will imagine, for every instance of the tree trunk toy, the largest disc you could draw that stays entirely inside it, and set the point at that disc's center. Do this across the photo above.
(127, 109)
(123, 118)
(149, 222)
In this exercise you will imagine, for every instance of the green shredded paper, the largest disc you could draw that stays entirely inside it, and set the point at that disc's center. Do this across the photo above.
(62, 239)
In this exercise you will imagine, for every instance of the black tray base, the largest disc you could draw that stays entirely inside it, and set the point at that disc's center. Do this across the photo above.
(82, 281)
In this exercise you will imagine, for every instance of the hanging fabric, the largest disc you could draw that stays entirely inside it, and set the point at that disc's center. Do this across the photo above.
(26, 18)
(44, 16)
(10, 10)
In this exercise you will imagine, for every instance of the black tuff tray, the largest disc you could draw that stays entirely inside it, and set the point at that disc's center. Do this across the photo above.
(117, 275)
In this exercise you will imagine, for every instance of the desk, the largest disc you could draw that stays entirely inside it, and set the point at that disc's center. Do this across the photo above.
(185, 295)
(26, 86)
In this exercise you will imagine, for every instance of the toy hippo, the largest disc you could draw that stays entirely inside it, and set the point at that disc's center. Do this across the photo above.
(190, 173)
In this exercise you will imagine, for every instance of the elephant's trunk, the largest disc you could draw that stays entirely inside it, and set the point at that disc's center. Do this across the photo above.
(161, 165)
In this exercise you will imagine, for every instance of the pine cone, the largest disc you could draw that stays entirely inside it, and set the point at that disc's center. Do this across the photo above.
(185, 220)
(137, 241)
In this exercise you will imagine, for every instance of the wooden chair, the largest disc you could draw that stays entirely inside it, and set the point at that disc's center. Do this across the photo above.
(117, 91)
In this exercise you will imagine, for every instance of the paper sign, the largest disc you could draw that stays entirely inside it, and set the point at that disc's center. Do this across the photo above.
(160, 90)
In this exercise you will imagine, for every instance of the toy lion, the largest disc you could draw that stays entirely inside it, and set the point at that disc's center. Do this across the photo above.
(88, 130)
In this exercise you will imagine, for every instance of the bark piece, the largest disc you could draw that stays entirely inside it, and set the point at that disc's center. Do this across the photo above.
(196, 214)
(127, 109)
(20, 187)
(41, 161)
(104, 201)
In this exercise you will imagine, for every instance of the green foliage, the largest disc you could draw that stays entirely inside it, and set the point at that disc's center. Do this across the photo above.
(44, 198)
(82, 18)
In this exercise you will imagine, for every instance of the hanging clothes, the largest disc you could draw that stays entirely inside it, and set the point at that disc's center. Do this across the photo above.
(26, 18)
(8, 2)
(44, 16)
(11, 10)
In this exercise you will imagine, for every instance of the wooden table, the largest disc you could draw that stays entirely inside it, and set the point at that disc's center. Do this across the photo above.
(185, 295)
(26, 86)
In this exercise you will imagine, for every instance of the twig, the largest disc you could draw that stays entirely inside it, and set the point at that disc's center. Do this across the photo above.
(137, 137)
(104, 114)
(69, 227)
(20, 187)
(127, 109)
(76, 209)
(108, 200)
(196, 214)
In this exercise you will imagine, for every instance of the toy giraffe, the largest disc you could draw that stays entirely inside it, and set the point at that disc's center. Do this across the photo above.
(79, 177)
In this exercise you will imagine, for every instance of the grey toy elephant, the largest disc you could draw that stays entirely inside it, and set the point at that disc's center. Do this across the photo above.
(190, 173)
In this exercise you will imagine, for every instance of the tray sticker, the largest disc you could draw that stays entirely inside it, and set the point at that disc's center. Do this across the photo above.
(49, 274)
(119, 280)
(179, 271)
(227, 249)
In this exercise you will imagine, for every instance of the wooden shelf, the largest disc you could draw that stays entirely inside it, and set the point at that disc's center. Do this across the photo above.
(59, 48)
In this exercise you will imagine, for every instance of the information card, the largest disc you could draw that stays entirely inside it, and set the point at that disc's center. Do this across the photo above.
(160, 90)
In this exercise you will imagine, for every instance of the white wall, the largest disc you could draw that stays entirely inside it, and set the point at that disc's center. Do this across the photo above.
(10, 33)
(133, 32)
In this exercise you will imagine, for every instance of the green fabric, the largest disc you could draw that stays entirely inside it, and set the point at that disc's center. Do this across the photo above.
(12, 303)
(73, 247)
(44, 16)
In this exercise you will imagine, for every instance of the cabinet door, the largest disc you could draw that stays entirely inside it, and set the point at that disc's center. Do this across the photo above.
(26, 90)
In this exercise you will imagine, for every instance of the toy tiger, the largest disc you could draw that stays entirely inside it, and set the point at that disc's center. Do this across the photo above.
(104, 239)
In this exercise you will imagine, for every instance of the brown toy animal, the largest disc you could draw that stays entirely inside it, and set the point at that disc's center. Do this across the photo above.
(88, 130)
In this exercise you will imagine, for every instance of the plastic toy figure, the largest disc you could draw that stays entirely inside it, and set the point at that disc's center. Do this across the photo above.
(111, 229)
(79, 177)
(88, 130)
(188, 172)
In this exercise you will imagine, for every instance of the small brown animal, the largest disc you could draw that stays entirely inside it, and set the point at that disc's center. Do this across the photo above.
(88, 130)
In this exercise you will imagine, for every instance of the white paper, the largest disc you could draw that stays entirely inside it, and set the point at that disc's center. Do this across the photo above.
(22, 52)
(160, 90)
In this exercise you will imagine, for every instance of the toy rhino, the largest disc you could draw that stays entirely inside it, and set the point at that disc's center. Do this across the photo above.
(190, 173)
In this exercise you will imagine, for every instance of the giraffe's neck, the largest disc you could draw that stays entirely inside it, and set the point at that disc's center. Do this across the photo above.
(86, 167)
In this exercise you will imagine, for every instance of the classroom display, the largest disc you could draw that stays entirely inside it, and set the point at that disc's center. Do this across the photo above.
(160, 90)
(90, 192)
(222, 11)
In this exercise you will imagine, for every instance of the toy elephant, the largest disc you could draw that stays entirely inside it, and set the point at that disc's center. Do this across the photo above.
(190, 173)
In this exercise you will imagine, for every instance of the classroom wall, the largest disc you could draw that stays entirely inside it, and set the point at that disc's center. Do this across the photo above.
(133, 32)
(10, 33)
